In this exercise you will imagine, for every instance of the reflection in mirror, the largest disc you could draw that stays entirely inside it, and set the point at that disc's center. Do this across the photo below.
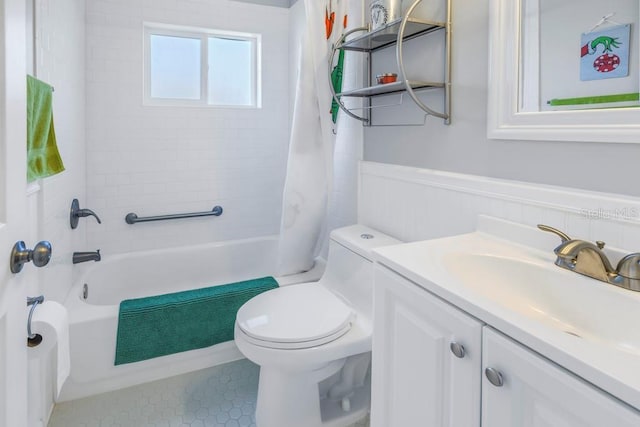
(578, 54)
(564, 70)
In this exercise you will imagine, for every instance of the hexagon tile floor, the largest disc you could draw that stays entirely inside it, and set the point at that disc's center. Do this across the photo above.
(222, 396)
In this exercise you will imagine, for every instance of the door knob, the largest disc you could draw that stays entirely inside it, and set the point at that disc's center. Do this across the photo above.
(20, 255)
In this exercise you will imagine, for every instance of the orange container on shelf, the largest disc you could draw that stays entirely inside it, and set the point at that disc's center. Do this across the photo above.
(386, 78)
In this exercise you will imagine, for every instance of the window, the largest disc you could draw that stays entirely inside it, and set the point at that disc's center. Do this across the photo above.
(193, 66)
(175, 67)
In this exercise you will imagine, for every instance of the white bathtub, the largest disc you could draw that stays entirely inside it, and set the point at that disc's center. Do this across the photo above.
(93, 321)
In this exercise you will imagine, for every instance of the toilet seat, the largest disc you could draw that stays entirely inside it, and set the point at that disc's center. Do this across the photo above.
(295, 317)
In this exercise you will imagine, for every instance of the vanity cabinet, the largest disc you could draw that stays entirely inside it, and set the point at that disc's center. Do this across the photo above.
(419, 378)
(534, 391)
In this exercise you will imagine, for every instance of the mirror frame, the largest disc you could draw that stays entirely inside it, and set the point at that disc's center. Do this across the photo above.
(505, 121)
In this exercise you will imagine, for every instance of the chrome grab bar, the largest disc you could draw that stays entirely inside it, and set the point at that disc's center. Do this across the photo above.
(132, 218)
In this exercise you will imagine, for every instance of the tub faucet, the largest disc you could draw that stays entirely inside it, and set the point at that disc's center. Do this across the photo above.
(589, 259)
(79, 257)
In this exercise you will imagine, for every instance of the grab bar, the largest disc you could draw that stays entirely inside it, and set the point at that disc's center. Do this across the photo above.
(132, 218)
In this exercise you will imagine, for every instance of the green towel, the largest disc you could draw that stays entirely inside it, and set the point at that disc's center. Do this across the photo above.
(43, 158)
(336, 81)
(171, 323)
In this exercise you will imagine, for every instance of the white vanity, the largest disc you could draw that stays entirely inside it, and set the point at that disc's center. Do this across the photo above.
(483, 329)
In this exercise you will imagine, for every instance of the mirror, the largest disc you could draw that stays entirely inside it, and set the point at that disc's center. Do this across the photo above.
(564, 70)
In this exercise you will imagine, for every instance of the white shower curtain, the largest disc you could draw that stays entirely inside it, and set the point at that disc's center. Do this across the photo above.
(310, 164)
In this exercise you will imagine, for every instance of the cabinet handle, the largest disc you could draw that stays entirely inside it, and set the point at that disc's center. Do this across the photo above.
(494, 376)
(457, 350)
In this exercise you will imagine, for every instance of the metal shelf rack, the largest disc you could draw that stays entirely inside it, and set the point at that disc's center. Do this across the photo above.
(396, 33)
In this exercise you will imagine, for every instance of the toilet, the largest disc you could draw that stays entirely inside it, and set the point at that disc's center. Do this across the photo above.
(312, 341)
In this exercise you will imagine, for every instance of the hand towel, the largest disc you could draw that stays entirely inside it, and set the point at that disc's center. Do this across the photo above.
(43, 158)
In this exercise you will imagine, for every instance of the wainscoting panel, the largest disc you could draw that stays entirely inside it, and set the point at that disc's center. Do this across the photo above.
(418, 204)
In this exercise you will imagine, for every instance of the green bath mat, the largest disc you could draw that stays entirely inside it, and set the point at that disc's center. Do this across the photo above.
(167, 324)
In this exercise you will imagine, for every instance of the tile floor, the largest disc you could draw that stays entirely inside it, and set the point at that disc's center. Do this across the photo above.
(222, 396)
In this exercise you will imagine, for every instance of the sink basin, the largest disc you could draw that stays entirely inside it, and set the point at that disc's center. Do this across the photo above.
(566, 301)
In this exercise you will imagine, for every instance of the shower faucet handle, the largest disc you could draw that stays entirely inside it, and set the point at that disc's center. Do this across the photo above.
(77, 213)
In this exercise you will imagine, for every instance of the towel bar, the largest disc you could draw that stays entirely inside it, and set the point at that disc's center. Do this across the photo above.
(132, 218)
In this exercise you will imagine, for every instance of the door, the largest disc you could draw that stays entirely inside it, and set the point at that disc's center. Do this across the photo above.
(426, 358)
(527, 390)
(13, 227)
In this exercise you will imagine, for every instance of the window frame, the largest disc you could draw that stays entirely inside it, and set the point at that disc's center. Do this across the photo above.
(202, 34)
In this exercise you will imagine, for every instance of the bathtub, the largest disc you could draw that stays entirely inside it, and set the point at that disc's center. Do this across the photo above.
(93, 309)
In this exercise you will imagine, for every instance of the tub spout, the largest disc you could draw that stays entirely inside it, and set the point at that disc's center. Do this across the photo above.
(79, 257)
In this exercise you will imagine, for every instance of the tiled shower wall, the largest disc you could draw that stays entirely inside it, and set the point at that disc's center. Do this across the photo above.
(418, 204)
(59, 61)
(162, 160)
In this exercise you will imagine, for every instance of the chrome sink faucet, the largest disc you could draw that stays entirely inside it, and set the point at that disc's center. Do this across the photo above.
(589, 259)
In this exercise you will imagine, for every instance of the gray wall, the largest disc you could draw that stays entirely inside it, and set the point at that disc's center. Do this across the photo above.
(463, 146)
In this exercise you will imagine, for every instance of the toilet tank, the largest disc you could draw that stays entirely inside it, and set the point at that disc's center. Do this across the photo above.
(349, 270)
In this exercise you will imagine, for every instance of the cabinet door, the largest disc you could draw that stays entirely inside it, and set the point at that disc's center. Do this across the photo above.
(417, 381)
(537, 393)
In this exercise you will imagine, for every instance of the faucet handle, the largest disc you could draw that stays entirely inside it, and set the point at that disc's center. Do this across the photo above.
(563, 236)
(83, 213)
(629, 266)
(76, 213)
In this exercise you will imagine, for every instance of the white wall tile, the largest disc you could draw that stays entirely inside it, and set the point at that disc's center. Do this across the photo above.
(161, 160)
(60, 51)
(60, 36)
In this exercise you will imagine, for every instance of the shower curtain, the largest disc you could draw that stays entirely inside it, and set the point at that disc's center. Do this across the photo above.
(310, 164)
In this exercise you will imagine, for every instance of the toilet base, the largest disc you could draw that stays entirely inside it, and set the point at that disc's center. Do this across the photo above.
(286, 400)
(334, 416)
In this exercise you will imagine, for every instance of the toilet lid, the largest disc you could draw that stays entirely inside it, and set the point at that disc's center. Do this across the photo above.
(295, 316)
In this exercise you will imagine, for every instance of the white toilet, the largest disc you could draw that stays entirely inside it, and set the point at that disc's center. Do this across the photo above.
(313, 340)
